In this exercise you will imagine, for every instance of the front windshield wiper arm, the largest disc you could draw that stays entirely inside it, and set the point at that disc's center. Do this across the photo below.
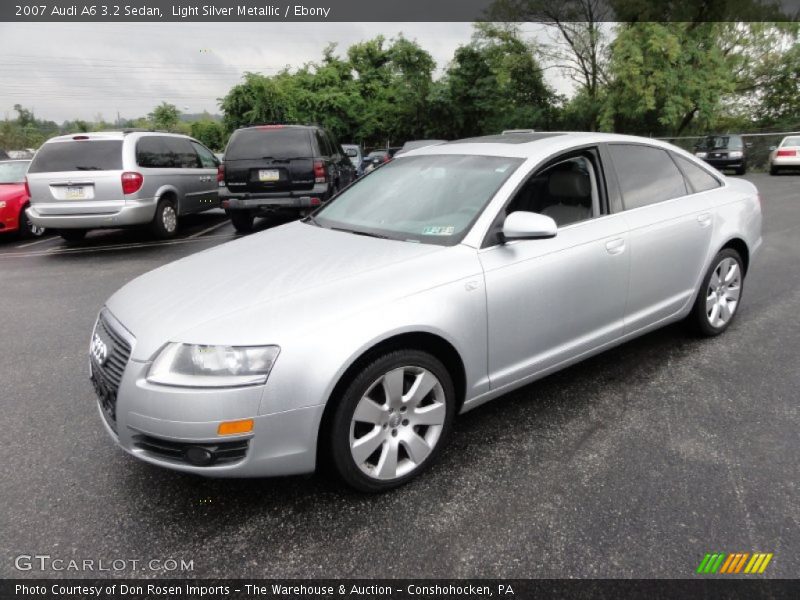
(313, 220)
(366, 233)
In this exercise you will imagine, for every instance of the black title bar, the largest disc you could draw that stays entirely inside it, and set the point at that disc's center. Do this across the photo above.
(396, 10)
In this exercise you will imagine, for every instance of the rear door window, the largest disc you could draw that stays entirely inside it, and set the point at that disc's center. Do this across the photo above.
(258, 143)
(153, 153)
(647, 175)
(183, 155)
(84, 155)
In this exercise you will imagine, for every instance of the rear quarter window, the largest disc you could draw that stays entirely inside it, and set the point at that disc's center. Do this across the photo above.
(647, 175)
(255, 144)
(84, 155)
(700, 179)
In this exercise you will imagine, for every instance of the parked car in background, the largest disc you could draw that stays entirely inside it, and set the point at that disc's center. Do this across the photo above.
(724, 152)
(119, 179)
(355, 154)
(287, 169)
(219, 156)
(445, 279)
(415, 144)
(785, 156)
(14, 200)
(374, 159)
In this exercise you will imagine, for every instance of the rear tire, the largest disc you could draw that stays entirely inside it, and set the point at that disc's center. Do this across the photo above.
(165, 222)
(720, 294)
(741, 170)
(385, 431)
(773, 170)
(242, 220)
(73, 236)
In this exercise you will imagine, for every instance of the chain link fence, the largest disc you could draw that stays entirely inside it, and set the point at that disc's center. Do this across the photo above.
(758, 145)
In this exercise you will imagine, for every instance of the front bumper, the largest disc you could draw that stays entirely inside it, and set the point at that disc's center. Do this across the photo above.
(725, 163)
(281, 443)
(130, 212)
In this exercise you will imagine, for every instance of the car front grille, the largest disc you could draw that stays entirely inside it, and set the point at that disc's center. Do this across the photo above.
(109, 354)
(218, 452)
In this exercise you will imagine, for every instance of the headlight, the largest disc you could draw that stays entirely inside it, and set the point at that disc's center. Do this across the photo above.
(701, 154)
(194, 365)
(735, 154)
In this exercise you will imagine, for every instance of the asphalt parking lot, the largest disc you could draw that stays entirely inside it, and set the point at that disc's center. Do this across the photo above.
(632, 464)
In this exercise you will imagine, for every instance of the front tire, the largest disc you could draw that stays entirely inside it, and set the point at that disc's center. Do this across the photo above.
(719, 295)
(392, 420)
(165, 222)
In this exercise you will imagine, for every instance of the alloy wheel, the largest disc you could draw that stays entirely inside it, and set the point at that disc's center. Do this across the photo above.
(397, 422)
(724, 290)
(169, 218)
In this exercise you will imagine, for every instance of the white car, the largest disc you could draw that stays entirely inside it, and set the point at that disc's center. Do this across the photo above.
(446, 278)
(786, 155)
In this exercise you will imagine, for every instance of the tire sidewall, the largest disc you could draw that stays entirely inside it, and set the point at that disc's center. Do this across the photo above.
(158, 222)
(339, 434)
(699, 313)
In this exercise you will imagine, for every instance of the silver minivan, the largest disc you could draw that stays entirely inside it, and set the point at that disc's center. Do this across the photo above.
(121, 178)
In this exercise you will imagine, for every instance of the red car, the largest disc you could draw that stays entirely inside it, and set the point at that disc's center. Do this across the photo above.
(14, 200)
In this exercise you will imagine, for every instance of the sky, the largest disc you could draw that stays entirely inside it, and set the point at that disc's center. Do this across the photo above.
(85, 70)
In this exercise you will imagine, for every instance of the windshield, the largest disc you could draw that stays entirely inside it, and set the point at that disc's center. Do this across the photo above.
(430, 199)
(14, 171)
(716, 142)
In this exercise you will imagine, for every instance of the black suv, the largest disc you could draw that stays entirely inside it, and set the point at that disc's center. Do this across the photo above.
(724, 152)
(271, 169)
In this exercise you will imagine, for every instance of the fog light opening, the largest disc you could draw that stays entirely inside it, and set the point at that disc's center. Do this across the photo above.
(199, 456)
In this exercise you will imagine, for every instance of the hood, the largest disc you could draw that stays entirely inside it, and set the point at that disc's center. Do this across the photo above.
(286, 266)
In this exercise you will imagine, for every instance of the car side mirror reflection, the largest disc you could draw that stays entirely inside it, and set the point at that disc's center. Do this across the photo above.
(525, 225)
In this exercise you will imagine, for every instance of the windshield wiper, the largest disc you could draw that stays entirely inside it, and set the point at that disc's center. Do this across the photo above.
(312, 219)
(365, 233)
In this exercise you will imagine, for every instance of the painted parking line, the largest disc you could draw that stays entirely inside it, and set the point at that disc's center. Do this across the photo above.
(89, 249)
(49, 239)
(208, 229)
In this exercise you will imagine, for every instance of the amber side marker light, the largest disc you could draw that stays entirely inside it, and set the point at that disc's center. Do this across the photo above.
(234, 427)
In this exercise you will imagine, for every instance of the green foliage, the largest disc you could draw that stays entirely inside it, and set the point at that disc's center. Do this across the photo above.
(165, 117)
(211, 133)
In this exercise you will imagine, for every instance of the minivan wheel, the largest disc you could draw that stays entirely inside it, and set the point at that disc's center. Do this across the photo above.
(242, 220)
(72, 235)
(720, 294)
(392, 420)
(165, 222)
(27, 229)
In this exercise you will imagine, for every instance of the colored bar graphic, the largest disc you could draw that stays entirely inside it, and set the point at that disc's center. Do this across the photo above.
(733, 563)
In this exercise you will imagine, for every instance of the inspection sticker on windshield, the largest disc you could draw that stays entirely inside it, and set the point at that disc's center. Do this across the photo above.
(438, 230)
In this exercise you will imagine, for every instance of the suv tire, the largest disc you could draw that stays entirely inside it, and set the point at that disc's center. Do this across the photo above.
(242, 220)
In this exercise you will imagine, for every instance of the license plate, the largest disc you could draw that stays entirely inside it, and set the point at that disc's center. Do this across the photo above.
(269, 175)
(76, 193)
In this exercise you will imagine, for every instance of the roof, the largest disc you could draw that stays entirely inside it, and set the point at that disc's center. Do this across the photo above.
(507, 138)
(112, 135)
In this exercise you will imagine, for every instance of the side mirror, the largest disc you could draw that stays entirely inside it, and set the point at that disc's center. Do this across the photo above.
(771, 148)
(525, 225)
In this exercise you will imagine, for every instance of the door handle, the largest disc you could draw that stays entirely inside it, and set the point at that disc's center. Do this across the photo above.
(615, 246)
(704, 219)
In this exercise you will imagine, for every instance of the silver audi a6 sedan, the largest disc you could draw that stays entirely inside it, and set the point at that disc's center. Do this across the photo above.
(444, 279)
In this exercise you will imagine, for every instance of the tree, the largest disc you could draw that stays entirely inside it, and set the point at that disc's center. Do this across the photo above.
(211, 133)
(258, 99)
(165, 116)
(579, 46)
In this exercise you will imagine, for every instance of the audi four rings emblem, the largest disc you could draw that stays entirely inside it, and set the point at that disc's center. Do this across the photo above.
(99, 349)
